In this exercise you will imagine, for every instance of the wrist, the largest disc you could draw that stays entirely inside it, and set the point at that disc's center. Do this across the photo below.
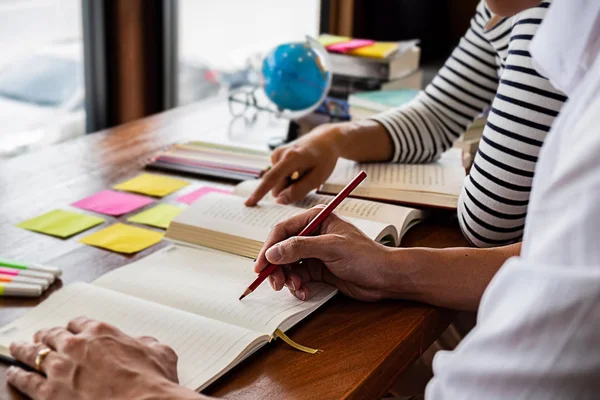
(396, 276)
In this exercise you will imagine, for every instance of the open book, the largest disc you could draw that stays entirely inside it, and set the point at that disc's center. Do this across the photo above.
(223, 222)
(185, 297)
(436, 184)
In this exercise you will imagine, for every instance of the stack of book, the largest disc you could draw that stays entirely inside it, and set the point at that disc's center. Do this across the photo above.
(363, 65)
(366, 104)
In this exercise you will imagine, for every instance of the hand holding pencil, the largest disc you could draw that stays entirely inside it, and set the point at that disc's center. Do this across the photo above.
(318, 219)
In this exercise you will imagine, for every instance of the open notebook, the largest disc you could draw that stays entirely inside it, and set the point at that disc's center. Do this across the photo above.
(436, 184)
(223, 222)
(185, 297)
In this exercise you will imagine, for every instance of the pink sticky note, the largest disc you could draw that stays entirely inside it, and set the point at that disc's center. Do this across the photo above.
(113, 203)
(196, 194)
(345, 47)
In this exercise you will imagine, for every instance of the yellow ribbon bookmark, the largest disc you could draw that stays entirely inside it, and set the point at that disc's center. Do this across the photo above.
(279, 334)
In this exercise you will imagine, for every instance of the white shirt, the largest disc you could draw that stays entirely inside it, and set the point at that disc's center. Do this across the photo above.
(538, 328)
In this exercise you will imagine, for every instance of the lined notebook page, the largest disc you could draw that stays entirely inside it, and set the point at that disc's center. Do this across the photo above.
(443, 176)
(352, 208)
(205, 347)
(228, 214)
(209, 283)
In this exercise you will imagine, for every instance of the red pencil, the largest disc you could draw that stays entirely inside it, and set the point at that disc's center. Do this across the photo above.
(310, 228)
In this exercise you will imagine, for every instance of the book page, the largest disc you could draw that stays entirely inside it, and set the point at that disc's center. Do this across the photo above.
(205, 347)
(399, 216)
(228, 214)
(209, 283)
(444, 176)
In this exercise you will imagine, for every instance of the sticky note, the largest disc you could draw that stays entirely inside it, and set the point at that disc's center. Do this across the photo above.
(152, 185)
(159, 216)
(62, 224)
(123, 238)
(327, 40)
(351, 45)
(113, 203)
(196, 194)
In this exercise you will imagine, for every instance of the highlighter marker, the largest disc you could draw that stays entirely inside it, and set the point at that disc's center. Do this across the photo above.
(29, 267)
(30, 274)
(4, 278)
(20, 290)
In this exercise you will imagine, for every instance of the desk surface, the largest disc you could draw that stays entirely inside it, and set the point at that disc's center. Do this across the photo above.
(365, 345)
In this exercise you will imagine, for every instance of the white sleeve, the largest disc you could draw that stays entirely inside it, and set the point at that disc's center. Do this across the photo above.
(538, 328)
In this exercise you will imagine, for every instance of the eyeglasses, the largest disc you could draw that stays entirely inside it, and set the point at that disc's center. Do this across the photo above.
(244, 103)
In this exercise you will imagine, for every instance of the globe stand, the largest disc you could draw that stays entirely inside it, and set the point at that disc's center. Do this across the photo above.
(293, 133)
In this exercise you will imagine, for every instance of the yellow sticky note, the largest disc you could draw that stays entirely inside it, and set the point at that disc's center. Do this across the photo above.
(62, 224)
(123, 238)
(377, 50)
(326, 39)
(152, 185)
(159, 216)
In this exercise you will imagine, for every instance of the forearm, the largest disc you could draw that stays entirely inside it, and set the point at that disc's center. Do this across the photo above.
(364, 141)
(453, 278)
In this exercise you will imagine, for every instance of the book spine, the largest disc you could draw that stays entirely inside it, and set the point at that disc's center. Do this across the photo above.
(359, 68)
(344, 86)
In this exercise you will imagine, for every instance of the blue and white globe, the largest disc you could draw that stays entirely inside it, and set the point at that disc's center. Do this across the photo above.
(296, 77)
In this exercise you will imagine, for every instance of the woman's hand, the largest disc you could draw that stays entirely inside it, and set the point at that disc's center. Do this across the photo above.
(313, 156)
(340, 255)
(94, 360)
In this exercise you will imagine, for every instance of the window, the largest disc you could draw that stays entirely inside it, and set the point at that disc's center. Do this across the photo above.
(41, 74)
(221, 43)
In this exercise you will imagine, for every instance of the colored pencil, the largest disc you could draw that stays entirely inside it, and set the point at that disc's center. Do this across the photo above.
(310, 228)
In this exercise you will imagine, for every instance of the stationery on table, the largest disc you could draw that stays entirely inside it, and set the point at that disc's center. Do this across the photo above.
(25, 279)
(113, 203)
(28, 274)
(159, 216)
(310, 228)
(436, 184)
(29, 266)
(152, 185)
(61, 224)
(8, 278)
(196, 289)
(186, 298)
(122, 238)
(384, 61)
(224, 223)
(208, 159)
(20, 290)
(348, 46)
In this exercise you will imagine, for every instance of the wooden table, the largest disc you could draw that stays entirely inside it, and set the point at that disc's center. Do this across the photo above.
(365, 345)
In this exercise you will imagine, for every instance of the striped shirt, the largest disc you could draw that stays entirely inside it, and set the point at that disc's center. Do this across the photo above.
(490, 68)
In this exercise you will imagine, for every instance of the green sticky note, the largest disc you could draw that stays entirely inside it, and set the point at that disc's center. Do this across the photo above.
(62, 224)
(159, 216)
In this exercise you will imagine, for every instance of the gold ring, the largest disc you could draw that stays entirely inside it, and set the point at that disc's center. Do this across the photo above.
(295, 176)
(40, 356)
